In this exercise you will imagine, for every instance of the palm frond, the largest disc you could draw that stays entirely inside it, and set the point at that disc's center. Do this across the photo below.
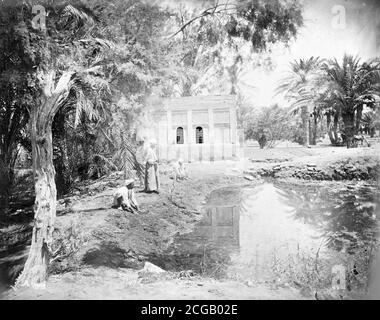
(77, 16)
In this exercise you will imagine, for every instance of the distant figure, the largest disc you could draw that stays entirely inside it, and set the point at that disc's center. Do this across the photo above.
(152, 182)
(124, 197)
(262, 141)
(179, 170)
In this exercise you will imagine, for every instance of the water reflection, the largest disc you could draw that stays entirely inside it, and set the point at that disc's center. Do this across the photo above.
(346, 216)
(220, 225)
(268, 234)
(208, 248)
(276, 228)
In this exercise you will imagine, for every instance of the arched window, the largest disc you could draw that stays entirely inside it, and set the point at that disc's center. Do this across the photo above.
(180, 139)
(199, 135)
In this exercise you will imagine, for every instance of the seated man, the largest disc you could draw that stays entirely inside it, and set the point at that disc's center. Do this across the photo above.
(124, 197)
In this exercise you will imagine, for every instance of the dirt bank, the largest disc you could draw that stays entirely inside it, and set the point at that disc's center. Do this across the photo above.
(114, 238)
(101, 250)
(334, 164)
(91, 234)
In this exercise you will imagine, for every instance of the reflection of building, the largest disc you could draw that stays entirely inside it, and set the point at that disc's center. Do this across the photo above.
(197, 128)
(220, 225)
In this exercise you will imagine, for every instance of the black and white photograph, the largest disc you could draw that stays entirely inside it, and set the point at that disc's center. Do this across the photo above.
(190, 150)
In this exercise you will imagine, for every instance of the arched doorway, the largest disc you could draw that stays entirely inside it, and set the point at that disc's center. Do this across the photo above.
(199, 135)
(180, 138)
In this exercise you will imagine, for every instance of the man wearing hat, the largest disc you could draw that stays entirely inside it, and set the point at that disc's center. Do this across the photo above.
(124, 197)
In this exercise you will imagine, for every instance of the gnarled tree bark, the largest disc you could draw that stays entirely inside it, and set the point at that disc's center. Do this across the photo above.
(35, 269)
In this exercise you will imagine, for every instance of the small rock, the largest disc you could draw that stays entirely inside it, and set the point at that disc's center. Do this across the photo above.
(250, 178)
(150, 267)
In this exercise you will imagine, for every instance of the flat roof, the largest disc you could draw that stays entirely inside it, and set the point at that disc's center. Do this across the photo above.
(200, 102)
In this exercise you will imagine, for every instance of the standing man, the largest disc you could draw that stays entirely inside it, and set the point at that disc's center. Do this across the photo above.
(140, 157)
(152, 182)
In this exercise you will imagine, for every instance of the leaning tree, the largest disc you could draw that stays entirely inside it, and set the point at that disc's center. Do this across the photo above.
(56, 65)
(76, 65)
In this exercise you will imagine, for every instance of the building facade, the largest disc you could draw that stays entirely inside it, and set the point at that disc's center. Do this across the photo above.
(201, 128)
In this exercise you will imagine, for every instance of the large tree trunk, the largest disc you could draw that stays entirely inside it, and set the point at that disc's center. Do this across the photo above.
(349, 128)
(35, 269)
(45, 204)
(305, 124)
(359, 112)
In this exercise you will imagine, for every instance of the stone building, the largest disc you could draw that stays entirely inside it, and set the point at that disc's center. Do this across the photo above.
(196, 128)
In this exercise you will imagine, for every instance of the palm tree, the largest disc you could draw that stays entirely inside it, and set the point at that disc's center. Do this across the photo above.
(370, 121)
(352, 85)
(299, 86)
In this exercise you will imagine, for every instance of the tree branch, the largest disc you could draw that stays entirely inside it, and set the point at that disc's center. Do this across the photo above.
(207, 12)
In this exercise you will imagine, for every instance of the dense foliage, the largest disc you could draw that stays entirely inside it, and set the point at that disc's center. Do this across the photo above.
(270, 125)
